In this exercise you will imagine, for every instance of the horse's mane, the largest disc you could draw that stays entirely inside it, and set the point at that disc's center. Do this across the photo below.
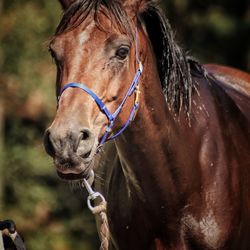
(173, 65)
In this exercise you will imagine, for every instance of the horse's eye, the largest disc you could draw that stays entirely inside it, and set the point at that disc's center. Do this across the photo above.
(122, 52)
(53, 55)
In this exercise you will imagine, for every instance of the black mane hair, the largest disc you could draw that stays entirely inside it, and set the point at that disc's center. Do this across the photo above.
(173, 65)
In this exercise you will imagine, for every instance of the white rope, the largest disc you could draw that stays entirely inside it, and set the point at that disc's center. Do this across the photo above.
(101, 211)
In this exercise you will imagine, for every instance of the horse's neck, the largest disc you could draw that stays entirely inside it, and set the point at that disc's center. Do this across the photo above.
(146, 148)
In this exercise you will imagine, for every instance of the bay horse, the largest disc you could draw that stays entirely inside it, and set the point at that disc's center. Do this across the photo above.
(169, 137)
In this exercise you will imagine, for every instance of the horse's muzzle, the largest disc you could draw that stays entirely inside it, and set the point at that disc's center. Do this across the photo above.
(72, 151)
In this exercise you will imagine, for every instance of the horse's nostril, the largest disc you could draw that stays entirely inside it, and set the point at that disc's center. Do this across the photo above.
(86, 144)
(69, 145)
(86, 134)
(48, 144)
(86, 155)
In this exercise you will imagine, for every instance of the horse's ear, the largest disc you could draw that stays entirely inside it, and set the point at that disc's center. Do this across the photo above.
(66, 3)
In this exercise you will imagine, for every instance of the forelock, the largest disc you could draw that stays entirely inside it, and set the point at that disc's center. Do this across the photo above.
(81, 9)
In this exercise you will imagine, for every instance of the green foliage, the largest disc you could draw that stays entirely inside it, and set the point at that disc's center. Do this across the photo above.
(47, 212)
(214, 31)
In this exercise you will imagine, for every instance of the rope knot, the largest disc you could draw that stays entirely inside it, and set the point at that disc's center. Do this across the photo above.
(101, 208)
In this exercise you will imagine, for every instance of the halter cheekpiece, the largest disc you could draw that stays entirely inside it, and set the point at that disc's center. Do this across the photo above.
(134, 88)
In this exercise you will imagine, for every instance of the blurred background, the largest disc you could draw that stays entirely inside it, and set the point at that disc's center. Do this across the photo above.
(47, 212)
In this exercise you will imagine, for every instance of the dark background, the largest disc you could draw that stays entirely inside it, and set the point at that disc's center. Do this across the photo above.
(48, 213)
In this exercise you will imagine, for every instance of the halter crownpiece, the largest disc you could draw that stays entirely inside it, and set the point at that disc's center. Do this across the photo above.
(134, 88)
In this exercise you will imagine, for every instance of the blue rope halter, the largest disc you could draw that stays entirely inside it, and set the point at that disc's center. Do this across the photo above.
(112, 117)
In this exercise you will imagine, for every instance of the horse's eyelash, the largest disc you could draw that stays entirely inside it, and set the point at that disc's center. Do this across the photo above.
(53, 60)
(52, 54)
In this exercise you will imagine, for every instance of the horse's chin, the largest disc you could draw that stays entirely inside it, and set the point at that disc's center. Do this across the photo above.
(73, 176)
(77, 172)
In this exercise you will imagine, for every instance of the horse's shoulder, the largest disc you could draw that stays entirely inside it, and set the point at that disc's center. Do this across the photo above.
(236, 84)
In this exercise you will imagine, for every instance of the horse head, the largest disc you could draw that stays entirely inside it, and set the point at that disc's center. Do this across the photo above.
(98, 62)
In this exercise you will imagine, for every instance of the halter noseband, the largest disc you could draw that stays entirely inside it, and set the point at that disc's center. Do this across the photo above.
(134, 88)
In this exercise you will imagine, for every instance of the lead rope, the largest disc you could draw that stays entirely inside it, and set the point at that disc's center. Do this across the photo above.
(101, 211)
(104, 230)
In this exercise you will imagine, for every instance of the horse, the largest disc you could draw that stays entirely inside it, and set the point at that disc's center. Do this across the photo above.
(168, 138)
